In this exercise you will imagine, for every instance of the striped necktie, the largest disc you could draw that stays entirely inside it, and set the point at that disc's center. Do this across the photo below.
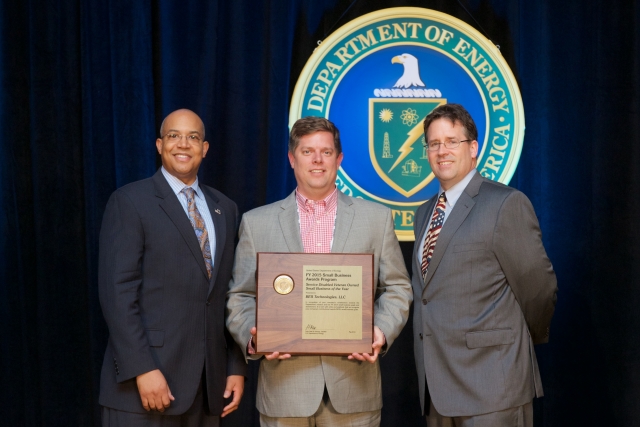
(198, 225)
(434, 231)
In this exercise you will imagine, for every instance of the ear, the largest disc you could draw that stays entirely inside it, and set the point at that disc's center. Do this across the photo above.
(473, 147)
(205, 148)
(159, 145)
(339, 160)
(291, 159)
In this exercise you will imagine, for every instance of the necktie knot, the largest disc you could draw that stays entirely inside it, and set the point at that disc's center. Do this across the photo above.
(189, 192)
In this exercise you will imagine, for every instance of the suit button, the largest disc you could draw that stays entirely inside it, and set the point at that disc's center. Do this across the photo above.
(208, 303)
(424, 301)
(420, 335)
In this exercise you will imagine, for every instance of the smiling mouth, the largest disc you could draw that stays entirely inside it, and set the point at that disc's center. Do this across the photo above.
(182, 156)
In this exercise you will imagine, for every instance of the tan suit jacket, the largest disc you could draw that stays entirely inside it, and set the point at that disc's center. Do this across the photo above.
(294, 387)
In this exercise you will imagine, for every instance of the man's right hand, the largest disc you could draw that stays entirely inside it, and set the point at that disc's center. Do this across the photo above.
(154, 391)
(254, 342)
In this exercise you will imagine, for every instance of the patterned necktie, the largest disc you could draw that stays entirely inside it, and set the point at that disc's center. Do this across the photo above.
(198, 225)
(434, 231)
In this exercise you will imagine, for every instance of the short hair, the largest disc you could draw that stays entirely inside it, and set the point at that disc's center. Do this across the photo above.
(307, 126)
(454, 113)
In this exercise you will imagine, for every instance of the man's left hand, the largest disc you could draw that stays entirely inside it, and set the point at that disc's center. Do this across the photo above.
(379, 341)
(235, 385)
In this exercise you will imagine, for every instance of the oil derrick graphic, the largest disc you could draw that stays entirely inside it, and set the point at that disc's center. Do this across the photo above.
(386, 147)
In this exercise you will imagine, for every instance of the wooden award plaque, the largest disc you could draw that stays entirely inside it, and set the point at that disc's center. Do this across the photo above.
(318, 304)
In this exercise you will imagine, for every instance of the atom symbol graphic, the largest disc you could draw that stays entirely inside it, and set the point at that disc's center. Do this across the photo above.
(409, 117)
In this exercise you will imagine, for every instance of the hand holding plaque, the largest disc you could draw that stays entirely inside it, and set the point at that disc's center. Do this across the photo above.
(379, 340)
(252, 346)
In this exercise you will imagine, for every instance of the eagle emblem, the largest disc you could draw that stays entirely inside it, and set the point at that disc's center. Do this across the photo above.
(411, 75)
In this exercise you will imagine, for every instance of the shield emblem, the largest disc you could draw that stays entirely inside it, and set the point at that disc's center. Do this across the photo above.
(396, 142)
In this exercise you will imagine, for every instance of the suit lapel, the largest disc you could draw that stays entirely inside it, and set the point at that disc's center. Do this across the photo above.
(457, 216)
(174, 210)
(344, 218)
(219, 222)
(290, 224)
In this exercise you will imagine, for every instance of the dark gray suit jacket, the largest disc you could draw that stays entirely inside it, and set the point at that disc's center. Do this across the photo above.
(161, 309)
(489, 295)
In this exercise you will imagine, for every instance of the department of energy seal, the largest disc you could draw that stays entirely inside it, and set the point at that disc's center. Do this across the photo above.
(378, 76)
(283, 284)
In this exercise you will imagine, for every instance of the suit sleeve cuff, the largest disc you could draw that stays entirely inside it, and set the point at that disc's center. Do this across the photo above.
(236, 364)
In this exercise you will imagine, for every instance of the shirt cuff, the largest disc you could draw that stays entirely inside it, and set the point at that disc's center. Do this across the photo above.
(250, 347)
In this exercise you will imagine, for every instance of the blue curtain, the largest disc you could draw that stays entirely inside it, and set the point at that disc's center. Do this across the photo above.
(85, 85)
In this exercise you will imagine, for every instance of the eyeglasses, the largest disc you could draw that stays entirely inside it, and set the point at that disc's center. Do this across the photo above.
(175, 137)
(435, 146)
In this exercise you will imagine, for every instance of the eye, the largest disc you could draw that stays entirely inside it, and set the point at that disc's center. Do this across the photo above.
(194, 138)
(172, 136)
(305, 151)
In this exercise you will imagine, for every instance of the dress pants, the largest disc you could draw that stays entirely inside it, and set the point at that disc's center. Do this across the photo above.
(194, 417)
(520, 416)
(325, 416)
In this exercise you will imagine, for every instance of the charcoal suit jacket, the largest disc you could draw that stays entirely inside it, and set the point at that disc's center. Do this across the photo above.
(162, 310)
(488, 297)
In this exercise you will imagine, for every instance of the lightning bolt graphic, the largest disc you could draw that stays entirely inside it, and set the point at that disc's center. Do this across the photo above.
(406, 148)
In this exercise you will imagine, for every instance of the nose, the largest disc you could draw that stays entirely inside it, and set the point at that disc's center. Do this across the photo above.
(317, 156)
(442, 149)
(183, 141)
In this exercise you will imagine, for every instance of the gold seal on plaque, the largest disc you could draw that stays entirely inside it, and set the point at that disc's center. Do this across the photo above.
(283, 284)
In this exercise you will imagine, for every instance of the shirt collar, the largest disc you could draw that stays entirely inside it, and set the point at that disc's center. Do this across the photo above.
(329, 202)
(454, 193)
(177, 186)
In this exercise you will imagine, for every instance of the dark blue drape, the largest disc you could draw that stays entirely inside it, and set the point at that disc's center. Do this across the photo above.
(85, 85)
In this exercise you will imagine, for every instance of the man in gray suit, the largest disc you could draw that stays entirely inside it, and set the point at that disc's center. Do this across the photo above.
(484, 289)
(316, 217)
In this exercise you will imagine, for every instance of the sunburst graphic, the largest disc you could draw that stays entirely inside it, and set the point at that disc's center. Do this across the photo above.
(409, 117)
(386, 115)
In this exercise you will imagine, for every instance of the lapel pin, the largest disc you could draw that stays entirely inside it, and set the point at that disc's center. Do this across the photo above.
(218, 211)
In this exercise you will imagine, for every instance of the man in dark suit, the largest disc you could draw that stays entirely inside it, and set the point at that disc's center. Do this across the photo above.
(484, 289)
(166, 253)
